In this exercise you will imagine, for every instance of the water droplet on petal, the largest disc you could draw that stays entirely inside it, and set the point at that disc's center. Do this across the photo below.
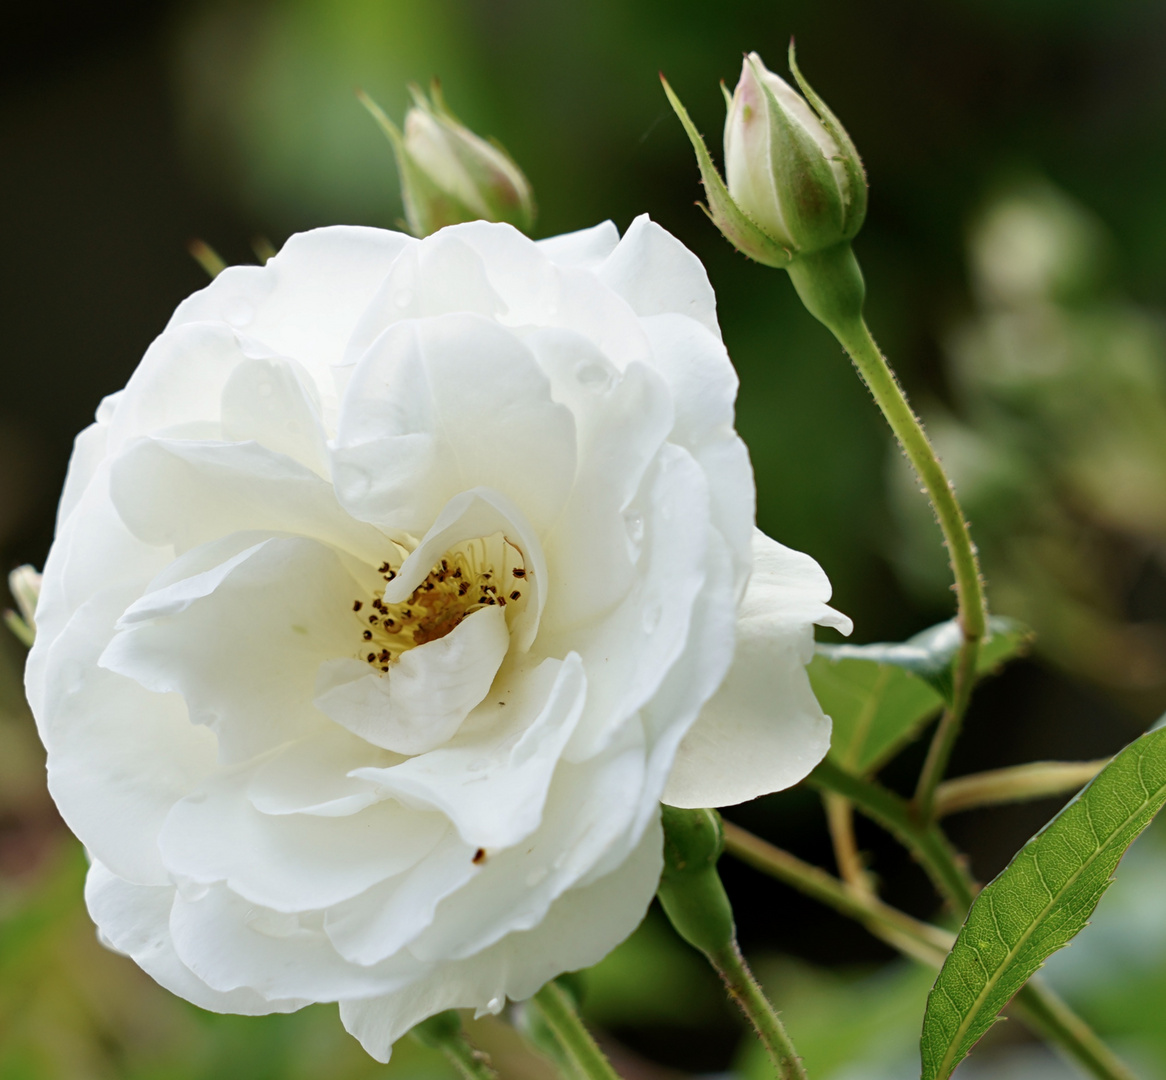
(634, 523)
(494, 1005)
(593, 375)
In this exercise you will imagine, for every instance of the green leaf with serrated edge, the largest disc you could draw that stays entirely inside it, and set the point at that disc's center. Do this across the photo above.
(876, 709)
(855, 174)
(879, 696)
(724, 213)
(1043, 898)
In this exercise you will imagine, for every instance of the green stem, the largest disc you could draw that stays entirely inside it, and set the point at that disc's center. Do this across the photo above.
(1052, 1018)
(829, 283)
(943, 741)
(1018, 783)
(745, 990)
(922, 941)
(1043, 1011)
(1036, 1004)
(473, 1064)
(894, 813)
(580, 1048)
(443, 1031)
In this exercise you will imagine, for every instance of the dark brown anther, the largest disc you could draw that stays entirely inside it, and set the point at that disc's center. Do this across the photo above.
(371, 657)
(356, 605)
(518, 571)
(372, 618)
(515, 595)
(479, 856)
(367, 635)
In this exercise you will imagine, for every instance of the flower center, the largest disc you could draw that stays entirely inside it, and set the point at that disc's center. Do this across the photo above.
(471, 576)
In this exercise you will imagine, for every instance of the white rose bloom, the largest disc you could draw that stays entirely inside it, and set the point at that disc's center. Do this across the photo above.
(387, 601)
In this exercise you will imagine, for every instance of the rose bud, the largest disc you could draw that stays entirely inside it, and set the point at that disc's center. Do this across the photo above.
(794, 172)
(796, 184)
(449, 174)
(24, 584)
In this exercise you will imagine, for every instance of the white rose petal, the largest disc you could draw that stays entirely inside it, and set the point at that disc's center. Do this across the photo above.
(388, 599)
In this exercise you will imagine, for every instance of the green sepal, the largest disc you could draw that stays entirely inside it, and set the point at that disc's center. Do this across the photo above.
(690, 889)
(439, 1030)
(854, 211)
(504, 200)
(24, 633)
(811, 204)
(735, 225)
(427, 206)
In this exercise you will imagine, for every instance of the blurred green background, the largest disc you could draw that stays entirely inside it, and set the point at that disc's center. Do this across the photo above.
(1014, 253)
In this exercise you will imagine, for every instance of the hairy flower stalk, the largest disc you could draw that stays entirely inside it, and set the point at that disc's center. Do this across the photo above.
(695, 901)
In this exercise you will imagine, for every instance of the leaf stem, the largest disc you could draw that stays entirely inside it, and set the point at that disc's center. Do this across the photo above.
(576, 1041)
(1036, 1004)
(472, 1063)
(443, 1032)
(745, 990)
(1036, 780)
(1042, 1010)
(1053, 1018)
(847, 857)
(925, 841)
(919, 940)
(946, 733)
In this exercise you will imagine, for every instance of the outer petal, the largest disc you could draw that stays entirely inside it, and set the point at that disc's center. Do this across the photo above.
(657, 274)
(305, 302)
(231, 943)
(119, 756)
(587, 248)
(134, 919)
(582, 927)
(764, 729)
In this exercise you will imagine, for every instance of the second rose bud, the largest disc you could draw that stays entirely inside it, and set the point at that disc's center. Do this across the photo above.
(449, 174)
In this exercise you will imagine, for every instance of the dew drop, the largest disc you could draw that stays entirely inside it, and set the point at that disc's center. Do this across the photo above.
(634, 523)
(494, 1005)
(593, 375)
